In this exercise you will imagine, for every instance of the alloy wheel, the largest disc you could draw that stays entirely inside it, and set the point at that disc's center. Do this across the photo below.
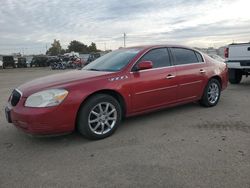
(213, 93)
(102, 118)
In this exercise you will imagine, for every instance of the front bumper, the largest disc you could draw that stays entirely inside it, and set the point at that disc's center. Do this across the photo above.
(42, 121)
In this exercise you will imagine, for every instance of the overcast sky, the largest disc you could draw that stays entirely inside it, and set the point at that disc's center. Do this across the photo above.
(28, 25)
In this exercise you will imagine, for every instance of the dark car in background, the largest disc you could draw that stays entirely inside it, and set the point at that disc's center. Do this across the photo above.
(8, 61)
(21, 62)
(39, 61)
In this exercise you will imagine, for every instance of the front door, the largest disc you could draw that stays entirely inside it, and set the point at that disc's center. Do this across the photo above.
(154, 87)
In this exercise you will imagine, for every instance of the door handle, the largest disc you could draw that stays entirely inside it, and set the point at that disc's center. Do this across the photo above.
(170, 76)
(202, 71)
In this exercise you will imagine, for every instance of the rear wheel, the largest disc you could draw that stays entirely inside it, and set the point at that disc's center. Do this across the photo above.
(235, 76)
(211, 93)
(99, 117)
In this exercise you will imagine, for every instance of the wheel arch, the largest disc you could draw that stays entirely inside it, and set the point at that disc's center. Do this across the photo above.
(110, 92)
(217, 77)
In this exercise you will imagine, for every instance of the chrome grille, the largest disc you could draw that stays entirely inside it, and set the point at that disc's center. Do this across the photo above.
(15, 97)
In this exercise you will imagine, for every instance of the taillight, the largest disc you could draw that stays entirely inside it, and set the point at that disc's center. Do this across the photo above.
(226, 52)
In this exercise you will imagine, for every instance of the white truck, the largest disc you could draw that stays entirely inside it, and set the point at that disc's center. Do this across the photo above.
(238, 61)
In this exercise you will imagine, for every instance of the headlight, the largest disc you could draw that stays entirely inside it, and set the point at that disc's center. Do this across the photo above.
(46, 98)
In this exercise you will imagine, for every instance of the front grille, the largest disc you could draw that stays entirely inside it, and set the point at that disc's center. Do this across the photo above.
(15, 97)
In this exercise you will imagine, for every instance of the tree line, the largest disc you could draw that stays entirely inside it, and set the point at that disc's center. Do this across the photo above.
(74, 46)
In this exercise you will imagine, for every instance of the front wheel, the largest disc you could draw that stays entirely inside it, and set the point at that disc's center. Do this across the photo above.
(99, 117)
(211, 93)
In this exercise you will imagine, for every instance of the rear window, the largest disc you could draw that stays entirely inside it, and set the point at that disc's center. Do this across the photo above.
(184, 56)
(200, 59)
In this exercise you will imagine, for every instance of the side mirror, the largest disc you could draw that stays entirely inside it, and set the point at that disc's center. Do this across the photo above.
(143, 65)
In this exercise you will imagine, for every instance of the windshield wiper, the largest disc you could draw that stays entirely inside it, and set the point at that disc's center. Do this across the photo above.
(93, 69)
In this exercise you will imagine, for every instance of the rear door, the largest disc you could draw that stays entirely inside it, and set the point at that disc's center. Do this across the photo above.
(191, 73)
(157, 86)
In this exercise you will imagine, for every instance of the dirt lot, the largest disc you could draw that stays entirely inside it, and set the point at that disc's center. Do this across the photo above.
(186, 146)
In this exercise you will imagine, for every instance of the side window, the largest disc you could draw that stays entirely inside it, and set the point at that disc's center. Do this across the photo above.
(159, 57)
(184, 56)
(198, 55)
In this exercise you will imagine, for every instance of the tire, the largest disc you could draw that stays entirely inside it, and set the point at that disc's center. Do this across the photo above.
(235, 76)
(103, 125)
(211, 93)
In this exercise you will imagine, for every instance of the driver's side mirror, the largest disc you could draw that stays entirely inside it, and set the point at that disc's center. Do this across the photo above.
(143, 65)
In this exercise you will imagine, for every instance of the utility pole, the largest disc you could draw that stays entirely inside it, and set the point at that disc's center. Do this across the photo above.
(124, 40)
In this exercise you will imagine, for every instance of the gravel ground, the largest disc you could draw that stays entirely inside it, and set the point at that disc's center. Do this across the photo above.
(185, 146)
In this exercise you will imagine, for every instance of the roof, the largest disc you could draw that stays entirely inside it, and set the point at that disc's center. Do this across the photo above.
(159, 46)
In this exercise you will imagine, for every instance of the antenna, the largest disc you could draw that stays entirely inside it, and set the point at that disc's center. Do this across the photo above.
(124, 40)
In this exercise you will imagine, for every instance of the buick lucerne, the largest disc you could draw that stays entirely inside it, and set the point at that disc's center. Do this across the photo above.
(122, 83)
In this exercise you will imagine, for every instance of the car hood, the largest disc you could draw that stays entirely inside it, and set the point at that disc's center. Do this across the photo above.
(58, 80)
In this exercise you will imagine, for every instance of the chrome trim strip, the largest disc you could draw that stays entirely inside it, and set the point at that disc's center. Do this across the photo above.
(163, 88)
(159, 68)
(189, 83)
(198, 63)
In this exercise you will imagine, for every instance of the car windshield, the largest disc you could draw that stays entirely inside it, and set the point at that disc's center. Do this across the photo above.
(113, 61)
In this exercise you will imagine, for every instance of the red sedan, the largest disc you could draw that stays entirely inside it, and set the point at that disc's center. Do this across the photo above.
(123, 83)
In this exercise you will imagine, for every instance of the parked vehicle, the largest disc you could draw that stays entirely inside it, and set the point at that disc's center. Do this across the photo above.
(63, 62)
(21, 62)
(28, 60)
(123, 83)
(238, 61)
(39, 61)
(78, 63)
(84, 57)
(70, 61)
(58, 65)
(8, 61)
(92, 57)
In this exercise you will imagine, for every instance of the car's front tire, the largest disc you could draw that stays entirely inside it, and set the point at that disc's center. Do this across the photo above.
(99, 116)
(211, 93)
